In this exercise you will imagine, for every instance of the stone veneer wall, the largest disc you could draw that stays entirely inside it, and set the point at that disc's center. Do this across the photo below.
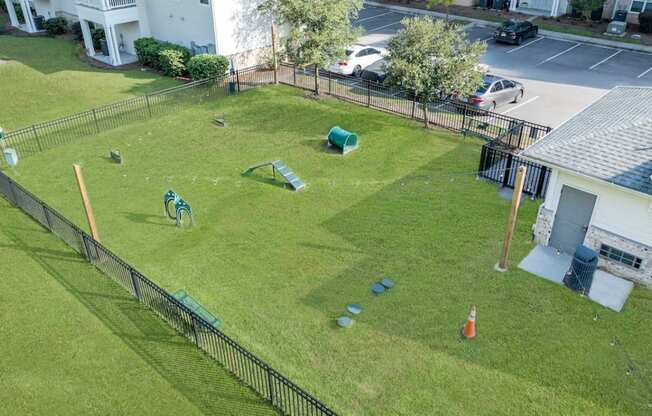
(543, 226)
(597, 236)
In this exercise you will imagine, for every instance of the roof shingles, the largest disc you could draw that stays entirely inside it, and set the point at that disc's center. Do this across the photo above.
(610, 140)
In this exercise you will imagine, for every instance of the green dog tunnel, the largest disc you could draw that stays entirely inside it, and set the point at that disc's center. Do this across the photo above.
(342, 139)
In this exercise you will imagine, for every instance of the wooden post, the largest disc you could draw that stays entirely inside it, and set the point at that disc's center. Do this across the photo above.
(274, 57)
(86, 201)
(316, 79)
(511, 222)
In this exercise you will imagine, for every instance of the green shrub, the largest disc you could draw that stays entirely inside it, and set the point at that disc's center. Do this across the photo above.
(171, 62)
(167, 46)
(147, 51)
(97, 34)
(207, 66)
(645, 21)
(56, 26)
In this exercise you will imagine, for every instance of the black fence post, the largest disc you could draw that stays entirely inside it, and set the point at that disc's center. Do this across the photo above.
(483, 160)
(508, 170)
(38, 140)
(97, 125)
(46, 216)
(543, 174)
(149, 107)
(270, 381)
(330, 81)
(464, 121)
(194, 329)
(237, 79)
(135, 283)
(294, 74)
(368, 93)
(414, 106)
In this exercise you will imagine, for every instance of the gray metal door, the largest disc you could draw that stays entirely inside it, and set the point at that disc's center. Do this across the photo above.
(572, 219)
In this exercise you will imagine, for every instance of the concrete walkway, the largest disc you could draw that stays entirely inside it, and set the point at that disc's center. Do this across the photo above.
(608, 290)
(548, 33)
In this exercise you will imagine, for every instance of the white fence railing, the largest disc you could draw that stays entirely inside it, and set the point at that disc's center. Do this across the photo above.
(107, 4)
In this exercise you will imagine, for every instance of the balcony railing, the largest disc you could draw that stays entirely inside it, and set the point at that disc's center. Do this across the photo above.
(107, 4)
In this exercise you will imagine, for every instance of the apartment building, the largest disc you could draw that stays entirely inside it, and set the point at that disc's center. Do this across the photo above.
(233, 28)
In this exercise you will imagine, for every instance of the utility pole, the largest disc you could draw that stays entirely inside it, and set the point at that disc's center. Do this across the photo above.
(274, 56)
(511, 222)
(86, 201)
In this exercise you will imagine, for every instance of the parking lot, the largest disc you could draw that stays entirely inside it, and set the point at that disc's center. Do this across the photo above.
(561, 77)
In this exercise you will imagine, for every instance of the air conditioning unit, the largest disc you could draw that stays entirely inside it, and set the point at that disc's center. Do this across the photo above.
(618, 25)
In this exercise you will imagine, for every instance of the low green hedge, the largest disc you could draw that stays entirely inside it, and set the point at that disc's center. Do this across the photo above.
(165, 56)
(56, 26)
(207, 66)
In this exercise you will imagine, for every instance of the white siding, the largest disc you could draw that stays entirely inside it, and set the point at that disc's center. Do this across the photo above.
(616, 210)
(240, 27)
(180, 21)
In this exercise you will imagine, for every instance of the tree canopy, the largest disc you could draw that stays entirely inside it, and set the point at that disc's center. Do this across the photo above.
(319, 31)
(434, 59)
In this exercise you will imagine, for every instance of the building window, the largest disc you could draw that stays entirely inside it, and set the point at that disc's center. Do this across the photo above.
(620, 256)
(640, 5)
(203, 1)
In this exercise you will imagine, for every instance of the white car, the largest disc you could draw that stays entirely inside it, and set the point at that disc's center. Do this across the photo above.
(358, 57)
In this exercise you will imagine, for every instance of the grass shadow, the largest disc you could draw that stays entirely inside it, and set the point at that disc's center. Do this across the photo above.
(140, 218)
(197, 377)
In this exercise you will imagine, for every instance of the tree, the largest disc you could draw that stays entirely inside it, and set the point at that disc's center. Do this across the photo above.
(586, 6)
(434, 59)
(320, 31)
(446, 3)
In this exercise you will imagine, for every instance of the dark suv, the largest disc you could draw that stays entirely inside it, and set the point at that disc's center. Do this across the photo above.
(515, 31)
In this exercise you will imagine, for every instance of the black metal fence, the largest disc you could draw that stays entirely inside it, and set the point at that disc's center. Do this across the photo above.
(501, 166)
(269, 383)
(446, 113)
(41, 136)
(450, 114)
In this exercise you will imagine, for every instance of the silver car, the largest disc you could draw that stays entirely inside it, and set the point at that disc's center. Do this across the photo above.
(496, 91)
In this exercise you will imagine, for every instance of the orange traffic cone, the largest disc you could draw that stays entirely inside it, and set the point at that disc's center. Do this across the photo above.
(468, 332)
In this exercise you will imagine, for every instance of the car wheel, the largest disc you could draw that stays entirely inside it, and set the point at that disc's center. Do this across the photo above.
(357, 71)
(519, 40)
(518, 97)
(535, 33)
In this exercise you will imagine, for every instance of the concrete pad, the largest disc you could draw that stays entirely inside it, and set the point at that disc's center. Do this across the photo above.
(545, 262)
(609, 290)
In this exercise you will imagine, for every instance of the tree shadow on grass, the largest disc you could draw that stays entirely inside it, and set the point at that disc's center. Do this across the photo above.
(438, 236)
(196, 376)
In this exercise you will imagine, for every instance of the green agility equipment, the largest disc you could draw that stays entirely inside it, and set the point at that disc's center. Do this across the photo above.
(173, 200)
(342, 139)
(280, 167)
(183, 297)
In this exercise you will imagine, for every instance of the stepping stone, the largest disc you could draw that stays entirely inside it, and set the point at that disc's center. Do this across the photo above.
(377, 288)
(344, 322)
(354, 308)
(387, 282)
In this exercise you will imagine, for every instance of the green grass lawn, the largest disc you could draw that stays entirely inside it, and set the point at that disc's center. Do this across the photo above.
(74, 343)
(279, 267)
(44, 79)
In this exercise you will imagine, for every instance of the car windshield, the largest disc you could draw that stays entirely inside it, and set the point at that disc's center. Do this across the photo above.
(349, 52)
(509, 25)
(485, 86)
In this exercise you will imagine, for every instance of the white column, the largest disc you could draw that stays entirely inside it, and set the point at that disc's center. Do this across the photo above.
(114, 51)
(512, 5)
(553, 9)
(88, 37)
(12, 13)
(27, 14)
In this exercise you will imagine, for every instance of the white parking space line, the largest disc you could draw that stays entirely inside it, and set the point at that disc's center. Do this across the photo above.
(526, 45)
(383, 27)
(520, 105)
(560, 54)
(605, 60)
(373, 17)
(644, 73)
